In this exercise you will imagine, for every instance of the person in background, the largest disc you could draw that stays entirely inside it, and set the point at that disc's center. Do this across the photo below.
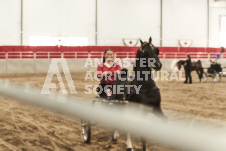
(216, 65)
(107, 71)
(188, 68)
(222, 50)
(217, 60)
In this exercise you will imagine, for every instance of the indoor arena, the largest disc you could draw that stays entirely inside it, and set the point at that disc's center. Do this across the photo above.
(113, 75)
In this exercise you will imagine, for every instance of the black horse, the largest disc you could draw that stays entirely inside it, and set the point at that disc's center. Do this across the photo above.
(148, 94)
(196, 66)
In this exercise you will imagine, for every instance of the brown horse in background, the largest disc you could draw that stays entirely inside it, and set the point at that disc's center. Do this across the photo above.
(196, 66)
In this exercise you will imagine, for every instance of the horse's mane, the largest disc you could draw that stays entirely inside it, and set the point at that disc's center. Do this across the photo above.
(138, 53)
(137, 56)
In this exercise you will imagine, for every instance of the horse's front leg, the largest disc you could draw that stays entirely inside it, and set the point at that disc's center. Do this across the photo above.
(129, 143)
(115, 136)
(157, 110)
(143, 144)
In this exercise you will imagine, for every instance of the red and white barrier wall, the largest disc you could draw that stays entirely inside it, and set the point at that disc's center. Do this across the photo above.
(48, 52)
(36, 59)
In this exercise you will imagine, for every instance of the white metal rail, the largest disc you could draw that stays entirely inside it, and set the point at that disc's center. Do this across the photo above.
(128, 120)
(96, 54)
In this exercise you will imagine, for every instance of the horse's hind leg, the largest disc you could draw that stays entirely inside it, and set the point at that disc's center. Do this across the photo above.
(199, 74)
(129, 143)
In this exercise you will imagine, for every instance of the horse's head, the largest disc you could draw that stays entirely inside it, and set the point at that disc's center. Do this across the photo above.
(148, 50)
(179, 64)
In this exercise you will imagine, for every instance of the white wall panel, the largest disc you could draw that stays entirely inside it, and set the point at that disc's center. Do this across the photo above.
(185, 19)
(66, 18)
(118, 19)
(216, 10)
(10, 22)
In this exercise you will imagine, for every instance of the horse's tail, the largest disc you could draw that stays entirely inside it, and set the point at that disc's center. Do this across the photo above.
(201, 72)
(200, 69)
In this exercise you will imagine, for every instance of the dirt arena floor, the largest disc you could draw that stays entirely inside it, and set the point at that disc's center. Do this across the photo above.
(24, 127)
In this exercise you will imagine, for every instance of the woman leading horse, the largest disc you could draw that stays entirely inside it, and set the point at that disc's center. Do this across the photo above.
(195, 66)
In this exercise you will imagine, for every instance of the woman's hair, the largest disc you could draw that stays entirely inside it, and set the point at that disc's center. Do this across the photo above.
(108, 49)
(189, 57)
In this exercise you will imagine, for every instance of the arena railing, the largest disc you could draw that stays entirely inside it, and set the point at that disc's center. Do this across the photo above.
(96, 54)
(128, 119)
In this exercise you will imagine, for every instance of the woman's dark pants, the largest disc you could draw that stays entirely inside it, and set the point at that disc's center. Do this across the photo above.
(188, 76)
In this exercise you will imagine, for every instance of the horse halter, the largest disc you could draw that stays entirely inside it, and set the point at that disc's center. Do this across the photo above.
(144, 44)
